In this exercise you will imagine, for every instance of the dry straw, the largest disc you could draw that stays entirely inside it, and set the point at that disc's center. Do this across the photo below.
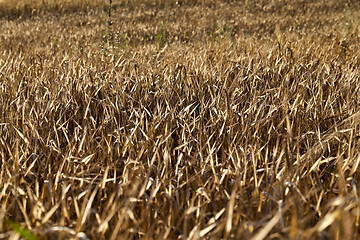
(183, 119)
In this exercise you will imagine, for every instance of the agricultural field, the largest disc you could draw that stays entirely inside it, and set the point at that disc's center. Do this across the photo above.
(186, 119)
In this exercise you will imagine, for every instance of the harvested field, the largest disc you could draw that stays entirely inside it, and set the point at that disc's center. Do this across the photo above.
(179, 119)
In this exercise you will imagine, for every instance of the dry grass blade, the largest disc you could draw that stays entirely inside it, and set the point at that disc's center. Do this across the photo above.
(55, 207)
(267, 228)
(327, 221)
(87, 159)
(85, 214)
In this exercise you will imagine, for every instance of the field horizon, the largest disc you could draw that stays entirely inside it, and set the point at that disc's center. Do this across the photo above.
(179, 119)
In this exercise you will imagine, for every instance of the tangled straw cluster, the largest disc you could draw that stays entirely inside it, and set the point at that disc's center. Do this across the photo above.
(155, 128)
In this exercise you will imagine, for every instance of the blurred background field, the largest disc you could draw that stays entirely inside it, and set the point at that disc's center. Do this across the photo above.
(179, 119)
